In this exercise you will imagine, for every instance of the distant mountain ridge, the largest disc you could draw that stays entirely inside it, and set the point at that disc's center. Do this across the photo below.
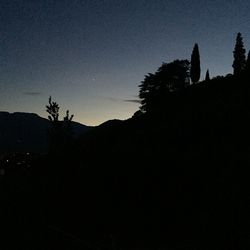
(28, 132)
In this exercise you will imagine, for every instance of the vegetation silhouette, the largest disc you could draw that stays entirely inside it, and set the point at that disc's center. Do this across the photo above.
(207, 77)
(155, 88)
(195, 70)
(239, 62)
(248, 63)
(60, 131)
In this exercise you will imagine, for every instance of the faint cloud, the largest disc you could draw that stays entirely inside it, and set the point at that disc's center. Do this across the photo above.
(30, 93)
(113, 99)
(132, 100)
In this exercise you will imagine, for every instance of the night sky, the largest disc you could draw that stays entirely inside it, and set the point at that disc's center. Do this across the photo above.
(90, 55)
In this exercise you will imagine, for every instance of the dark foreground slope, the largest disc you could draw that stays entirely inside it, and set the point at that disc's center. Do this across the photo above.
(176, 179)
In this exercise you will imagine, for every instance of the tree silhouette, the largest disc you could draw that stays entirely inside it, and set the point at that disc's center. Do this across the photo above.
(60, 131)
(53, 110)
(68, 118)
(149, 89)
(248, 63)
(195, 70)
(55, 130)
(239, 62)
(175, 75)
(207, 78)
(155, 88)
(67, 128)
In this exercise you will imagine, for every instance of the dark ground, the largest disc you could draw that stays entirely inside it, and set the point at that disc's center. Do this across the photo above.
(178, 179)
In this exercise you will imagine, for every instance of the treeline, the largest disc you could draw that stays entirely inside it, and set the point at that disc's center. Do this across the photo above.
(180, 74)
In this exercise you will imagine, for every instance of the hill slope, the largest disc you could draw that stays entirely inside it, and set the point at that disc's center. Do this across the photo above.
(176, 179)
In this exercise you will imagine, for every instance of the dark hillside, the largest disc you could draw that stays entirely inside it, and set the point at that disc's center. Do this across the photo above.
(176, 179)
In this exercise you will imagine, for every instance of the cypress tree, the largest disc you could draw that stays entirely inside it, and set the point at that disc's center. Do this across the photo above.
(239, 62)
(195, 70)
(248, 63)
(207, 78)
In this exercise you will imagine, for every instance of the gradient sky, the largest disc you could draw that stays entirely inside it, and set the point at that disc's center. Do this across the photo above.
(91, 55)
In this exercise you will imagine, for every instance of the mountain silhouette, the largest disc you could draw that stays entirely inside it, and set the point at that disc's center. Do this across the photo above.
(28, 132)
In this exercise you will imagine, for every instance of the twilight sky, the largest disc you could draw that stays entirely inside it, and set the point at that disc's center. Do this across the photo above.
(91, 55)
